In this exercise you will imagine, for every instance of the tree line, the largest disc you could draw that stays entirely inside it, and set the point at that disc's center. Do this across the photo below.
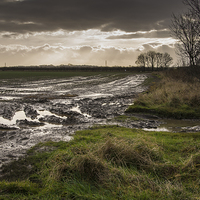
(87, 68)
(154, 59)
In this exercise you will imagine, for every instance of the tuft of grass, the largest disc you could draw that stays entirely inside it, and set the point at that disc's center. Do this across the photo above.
(138, 154)
(90, 167)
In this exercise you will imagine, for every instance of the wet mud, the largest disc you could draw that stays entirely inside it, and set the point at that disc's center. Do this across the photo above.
(43, 110)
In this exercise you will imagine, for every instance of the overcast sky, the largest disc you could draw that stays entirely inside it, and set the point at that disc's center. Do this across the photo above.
(43, 32)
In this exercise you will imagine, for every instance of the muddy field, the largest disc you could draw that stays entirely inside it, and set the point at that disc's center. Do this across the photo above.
(33, 111)
(53, 109)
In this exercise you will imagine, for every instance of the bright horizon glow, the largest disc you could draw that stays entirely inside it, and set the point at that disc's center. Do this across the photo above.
(58, 47)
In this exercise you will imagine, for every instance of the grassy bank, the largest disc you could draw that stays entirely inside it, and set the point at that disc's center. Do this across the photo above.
(176, 95)
(108, 162)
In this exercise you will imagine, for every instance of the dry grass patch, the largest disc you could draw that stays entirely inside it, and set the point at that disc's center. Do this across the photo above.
(140, 154)
(172, 92)
(90, 167)
(176, 95)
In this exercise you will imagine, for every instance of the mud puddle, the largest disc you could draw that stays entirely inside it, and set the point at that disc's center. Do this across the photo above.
(38, 111)
(180, 125)
(169, 125)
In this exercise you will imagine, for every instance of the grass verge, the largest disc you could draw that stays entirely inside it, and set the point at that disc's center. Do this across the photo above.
(108, 162)
(176, 95)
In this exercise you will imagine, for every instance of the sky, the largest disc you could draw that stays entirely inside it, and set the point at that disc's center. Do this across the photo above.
(84, 32)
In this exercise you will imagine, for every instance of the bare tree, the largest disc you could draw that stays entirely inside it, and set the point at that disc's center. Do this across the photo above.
(186, 28)
(141, 60)
(166, 60)
(151, 58)
(194, 6)
(159, 58)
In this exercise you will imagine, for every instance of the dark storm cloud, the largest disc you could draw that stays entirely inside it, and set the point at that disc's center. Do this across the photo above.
(50, 15)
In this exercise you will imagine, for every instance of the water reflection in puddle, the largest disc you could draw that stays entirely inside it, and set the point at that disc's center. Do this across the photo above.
(9, 98)
(77, 109)
(43, 113)
(95, 95)
(172, 125)
(178, 125)
(20, 115)
(47, 126)
(156, 129)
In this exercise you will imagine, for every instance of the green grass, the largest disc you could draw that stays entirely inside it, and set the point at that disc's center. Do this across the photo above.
(41, 74)
(167, 111)
(52, 74)
(108, 162)
(176, 95)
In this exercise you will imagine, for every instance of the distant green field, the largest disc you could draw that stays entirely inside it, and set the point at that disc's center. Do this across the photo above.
(53, 74)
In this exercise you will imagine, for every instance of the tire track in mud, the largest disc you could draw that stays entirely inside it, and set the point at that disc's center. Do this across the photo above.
(47, 113)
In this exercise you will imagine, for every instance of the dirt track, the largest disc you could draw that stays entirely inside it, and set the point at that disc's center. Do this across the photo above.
(37, 111)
